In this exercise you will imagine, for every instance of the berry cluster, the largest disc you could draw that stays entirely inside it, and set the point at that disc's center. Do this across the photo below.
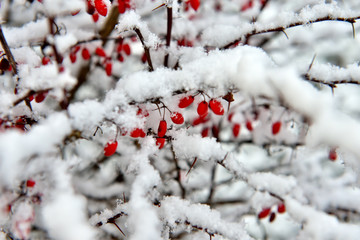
(281, 208)
(96, 8)
(123, 5)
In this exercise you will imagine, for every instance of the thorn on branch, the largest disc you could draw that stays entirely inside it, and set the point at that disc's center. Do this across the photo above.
(283, 31)
(98, 128)
(192, 165)
(162, 5)
(312, 62)
(117, 226)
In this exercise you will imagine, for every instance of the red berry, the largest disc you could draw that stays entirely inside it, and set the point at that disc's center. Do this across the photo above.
(177, 118)
(90, 8)
(31, 97)
(200, 120)
(249, 126)
(108, 68)
(119, 48)
(272, 217)
(85, 54)
(333, 154)
(127, 49)
(202, 109)
(230, 116)
(264, 213)
(122, 6)
(100, 52)
(4, 64)
(205, 132)
(137, 132)
(160, 142)
(276, 127)
(76, 49)
(142, 113)
(40, 97)
(120, 58)
(95, 17)
(101, 7)
(162, 128)
(45, 60)
(8, 208)
(216, 107)
(143, 58)
(72, 57)
(195, 4)
(248, 5)
(186, 101)
(110, 148)
(281, 208)
(236, 129)
(30, 183)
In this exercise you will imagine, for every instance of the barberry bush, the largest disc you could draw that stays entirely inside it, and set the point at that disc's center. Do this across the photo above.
(179, 119)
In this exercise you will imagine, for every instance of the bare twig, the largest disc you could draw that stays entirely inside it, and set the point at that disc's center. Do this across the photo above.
(213, 185)
(178, 176)
(294, 24)
(168, 34)
(8, 53)
(58, 57)
(146, 49)
(331, 84)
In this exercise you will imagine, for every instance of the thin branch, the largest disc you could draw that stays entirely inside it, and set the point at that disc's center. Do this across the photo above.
(58, 57)
(168, 34)
(294, 24)
(109, 25)
(178, 170)
(8, 53)
(213, 185)
(331, 84)
(146, 49)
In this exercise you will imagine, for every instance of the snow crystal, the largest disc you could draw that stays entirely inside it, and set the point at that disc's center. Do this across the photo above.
(16, 148)
(189, 147)
(67, 211)
(64, 42)
(45, 77)
(54, 7)
(174, 209)
(30, 32)
(280, 185)
(131, 21)
(86, 114)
